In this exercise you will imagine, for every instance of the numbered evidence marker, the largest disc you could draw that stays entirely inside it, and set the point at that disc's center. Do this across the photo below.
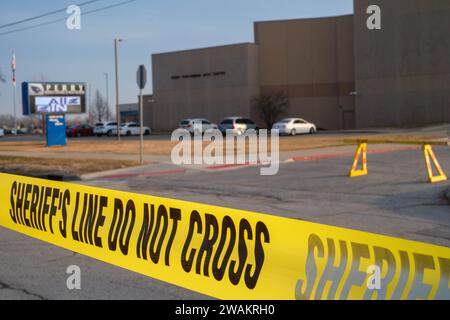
(73, 22)
(74, 280)
(374, 21)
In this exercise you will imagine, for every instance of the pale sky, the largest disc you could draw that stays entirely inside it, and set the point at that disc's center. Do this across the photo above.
(54, 53)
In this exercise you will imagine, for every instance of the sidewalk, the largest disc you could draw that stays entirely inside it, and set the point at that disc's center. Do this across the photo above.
(85, 155)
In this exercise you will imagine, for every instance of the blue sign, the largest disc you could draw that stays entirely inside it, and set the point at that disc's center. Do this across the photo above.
(56, 130)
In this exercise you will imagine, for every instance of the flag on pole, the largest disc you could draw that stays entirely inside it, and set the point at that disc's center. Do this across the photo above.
(13, 66)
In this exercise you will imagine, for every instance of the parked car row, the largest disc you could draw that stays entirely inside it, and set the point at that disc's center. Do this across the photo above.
(235, 125)
(239, 125)
(126, 129)
(11, 131)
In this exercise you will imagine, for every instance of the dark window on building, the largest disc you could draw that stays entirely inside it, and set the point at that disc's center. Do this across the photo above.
(227, 121)
(198, 75)
(191, 76)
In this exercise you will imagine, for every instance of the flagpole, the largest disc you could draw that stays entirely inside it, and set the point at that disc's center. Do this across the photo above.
(14, 98)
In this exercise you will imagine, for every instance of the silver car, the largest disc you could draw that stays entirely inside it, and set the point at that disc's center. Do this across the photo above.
(105, 128)
(133, 129)
(294, 126)
(197, 125)
(237, 125)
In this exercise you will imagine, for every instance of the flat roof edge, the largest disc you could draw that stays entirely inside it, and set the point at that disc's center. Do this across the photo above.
(305, 19)
(206, 48)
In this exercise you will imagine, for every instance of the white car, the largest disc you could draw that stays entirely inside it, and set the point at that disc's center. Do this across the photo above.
(133, 129)
(197, 125)
(2, 132)
(105, 128)
(293, 126)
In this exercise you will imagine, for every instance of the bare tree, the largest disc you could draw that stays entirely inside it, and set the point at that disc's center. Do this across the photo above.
(100, 110)
(270, 106)
(6, 121)
(2, 76)
(29, 122)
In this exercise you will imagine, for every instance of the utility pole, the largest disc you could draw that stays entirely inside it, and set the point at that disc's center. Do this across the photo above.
(116, 41)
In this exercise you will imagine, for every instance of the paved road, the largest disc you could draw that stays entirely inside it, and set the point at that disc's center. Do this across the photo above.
(394, 199)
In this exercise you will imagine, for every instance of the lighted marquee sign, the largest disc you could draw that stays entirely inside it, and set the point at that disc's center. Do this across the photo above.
(52, 97)
(56, 104)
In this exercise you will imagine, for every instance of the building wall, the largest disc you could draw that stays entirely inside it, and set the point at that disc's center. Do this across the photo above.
(129, 112)
(403, 70)
(148, 103)
(312, 61)
(210, 83)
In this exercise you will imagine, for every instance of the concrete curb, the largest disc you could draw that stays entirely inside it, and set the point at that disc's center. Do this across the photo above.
(99, 174)
(143, 174)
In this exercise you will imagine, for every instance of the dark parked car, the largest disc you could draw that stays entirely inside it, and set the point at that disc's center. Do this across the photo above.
(83, 130)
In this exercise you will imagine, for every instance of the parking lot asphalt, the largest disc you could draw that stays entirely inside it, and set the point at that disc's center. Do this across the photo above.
(394, 199)
(36, 137)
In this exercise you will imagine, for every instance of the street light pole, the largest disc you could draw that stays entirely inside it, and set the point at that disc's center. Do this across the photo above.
(116, 40)
(107, 87)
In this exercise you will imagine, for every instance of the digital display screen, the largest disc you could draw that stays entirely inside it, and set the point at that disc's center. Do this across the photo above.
(58, 104)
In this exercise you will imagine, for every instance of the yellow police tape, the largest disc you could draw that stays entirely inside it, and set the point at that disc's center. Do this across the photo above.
(221, 252)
